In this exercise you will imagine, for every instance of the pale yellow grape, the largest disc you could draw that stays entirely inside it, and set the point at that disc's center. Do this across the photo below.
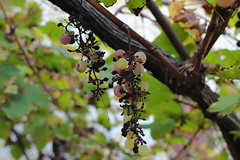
(131, 135)
(129, 144)
(142, 56)
(138, 70)
(143, 85)
(143, 150)
(120, 64)
(141, 105)
(224, 3)
(126, 117)
(81, 66)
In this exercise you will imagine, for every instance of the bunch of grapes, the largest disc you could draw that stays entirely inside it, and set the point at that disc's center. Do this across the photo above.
(91, 61)
(131, 91)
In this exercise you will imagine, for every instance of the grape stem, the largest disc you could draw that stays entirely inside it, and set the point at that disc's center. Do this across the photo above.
(140, 39)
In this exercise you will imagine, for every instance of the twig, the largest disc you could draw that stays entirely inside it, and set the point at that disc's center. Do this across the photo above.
(21, 144)
(140, 39)
(216, 27)
(185, 147)
(167, 28)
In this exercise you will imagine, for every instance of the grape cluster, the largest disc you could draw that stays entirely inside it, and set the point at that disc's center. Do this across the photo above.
(131, 91)
(91, 61)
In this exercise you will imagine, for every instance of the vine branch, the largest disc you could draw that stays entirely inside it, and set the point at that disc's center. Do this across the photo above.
(167, 28)
(216, 27)
(140, 39)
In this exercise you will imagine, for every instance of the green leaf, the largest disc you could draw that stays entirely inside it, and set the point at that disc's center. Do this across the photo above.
(160, 101)
(108, 3)
(232, 72)
(103, 119)
(16, 151)
(24, 102)
(63, 131)
(225, 104)
(163, 41)
(54, 32)
(5, 127)
(11, 89)
(41, 135)
(160, 127)
(62, 50)
(236, 134)
(135, 6)
(222, 156)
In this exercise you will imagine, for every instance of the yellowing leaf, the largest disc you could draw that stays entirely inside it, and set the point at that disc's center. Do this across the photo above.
(175, 8)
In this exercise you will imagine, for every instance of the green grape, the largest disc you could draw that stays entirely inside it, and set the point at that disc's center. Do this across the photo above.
(131, 135)
(119, 91)
(121, 64)
(119, 54)
(81, 66)
(141, 57)
(129, 144)
(141, 105)
(126, 117)
(143, 150)
(138, 70)
(143, 85)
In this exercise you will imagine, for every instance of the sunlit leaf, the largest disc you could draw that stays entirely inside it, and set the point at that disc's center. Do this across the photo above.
(135, 6)
(108, 3)
(160, 127)
(225, 104)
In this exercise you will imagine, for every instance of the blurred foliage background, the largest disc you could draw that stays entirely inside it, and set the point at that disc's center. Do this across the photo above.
(44, 113)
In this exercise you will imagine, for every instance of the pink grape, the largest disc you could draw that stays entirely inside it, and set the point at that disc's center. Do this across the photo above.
(65, 38)
(119, 54)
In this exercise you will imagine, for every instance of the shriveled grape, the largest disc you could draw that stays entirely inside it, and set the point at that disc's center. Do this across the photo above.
(119, 91)
(91, 97)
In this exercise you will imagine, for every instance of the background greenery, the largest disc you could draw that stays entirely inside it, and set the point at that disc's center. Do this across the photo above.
(43, 103)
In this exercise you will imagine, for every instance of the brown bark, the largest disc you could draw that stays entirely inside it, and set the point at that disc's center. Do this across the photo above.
(117, 39)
